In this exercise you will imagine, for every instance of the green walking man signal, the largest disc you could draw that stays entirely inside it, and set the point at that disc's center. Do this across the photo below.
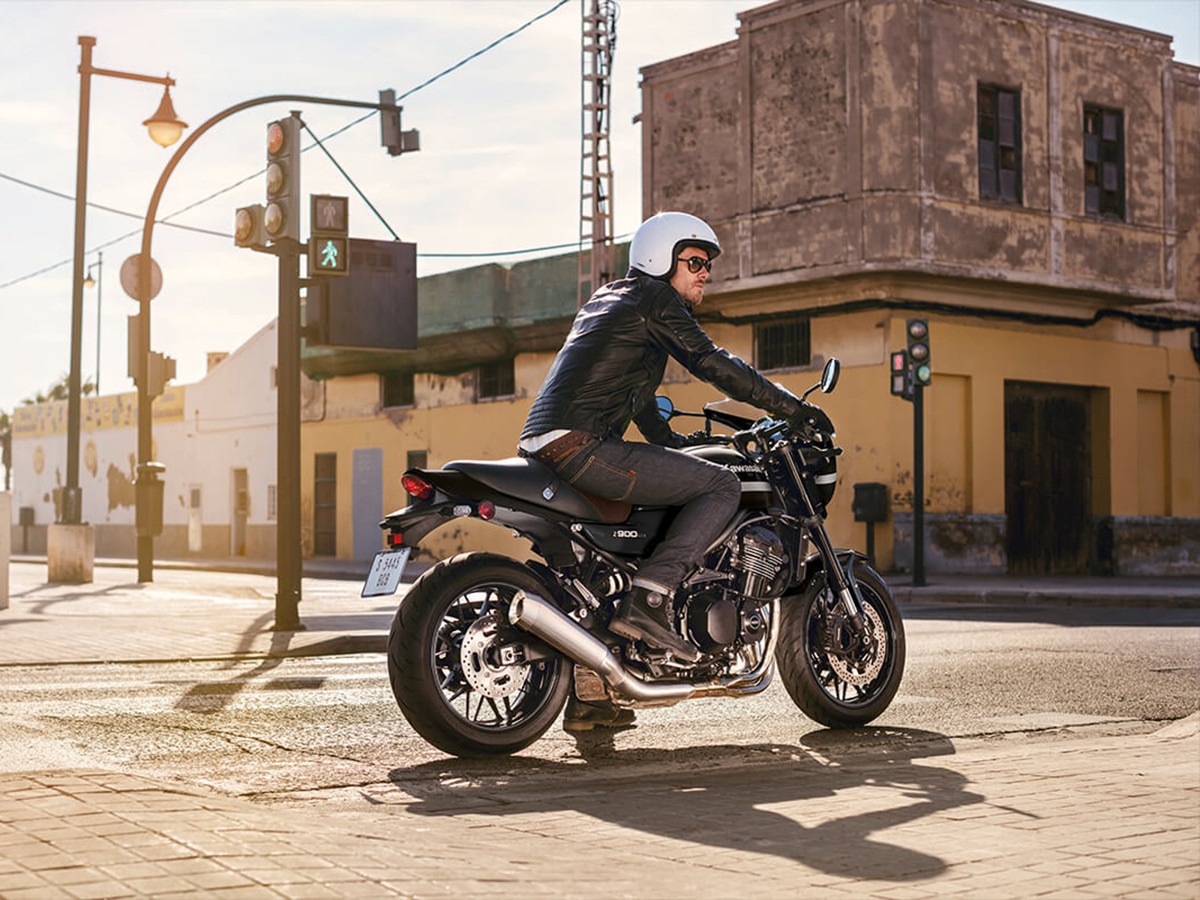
(329, 243)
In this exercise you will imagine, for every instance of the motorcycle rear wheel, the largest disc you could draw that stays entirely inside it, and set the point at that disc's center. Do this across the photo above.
(444, 660)
(840, 689)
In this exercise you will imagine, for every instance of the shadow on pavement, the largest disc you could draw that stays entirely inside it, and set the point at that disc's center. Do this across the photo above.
(1078, 616)
(208, 698)
(710, 796)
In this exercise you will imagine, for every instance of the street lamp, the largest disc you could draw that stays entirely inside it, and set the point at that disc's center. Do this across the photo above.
(165, 127)
(98, 284)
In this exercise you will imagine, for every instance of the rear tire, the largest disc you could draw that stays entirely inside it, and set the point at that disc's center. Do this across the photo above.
(836, 686)
(444, 666)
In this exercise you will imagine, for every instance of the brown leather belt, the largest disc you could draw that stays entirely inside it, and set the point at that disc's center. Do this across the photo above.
(560, 448)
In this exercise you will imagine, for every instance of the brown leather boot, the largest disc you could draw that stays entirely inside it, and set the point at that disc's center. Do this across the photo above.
(583, 716)
(645, 615)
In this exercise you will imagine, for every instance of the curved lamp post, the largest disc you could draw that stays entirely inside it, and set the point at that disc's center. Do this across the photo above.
(288, 568)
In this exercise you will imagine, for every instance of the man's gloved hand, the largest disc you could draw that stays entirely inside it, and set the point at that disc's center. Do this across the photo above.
(811, 423)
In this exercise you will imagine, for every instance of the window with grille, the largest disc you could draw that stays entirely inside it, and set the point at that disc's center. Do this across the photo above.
(999, 143)
(1103, 161)
(325, 504)
(782, 345)
(398, 389)
(496, 380)
(272, 502)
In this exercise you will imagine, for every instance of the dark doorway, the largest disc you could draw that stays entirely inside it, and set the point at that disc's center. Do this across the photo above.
(1048, 478)
(325, 504)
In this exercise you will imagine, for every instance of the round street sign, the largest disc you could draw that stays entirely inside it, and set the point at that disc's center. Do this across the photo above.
(129, 277)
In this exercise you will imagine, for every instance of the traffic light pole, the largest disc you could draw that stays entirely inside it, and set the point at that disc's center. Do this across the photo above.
(918, 517)
(288, 566)
(286, 480)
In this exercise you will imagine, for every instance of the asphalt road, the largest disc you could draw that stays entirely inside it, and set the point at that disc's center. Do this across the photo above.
(326, 728)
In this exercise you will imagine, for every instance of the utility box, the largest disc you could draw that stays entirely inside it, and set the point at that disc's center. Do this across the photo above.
(149, 498)
(870, 502)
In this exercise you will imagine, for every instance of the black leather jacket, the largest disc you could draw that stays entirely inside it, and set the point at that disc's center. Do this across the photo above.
(612, 362)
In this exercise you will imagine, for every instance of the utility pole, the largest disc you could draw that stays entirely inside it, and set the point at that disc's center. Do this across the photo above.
(595, 203)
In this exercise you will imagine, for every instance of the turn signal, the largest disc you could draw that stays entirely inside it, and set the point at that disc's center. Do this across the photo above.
(416, 486)
(487, 509)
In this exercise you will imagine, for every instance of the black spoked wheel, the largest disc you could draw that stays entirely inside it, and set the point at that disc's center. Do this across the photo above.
(451, 664)
(836, 677)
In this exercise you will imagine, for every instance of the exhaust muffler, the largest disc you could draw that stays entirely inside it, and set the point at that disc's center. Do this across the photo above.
(545, 620)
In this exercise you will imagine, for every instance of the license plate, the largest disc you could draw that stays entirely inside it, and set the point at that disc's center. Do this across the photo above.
(385, 573)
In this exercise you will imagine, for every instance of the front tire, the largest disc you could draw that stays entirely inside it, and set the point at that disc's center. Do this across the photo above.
(444, 664)
(833, 680)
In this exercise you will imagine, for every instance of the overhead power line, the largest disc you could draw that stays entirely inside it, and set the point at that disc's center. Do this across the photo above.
(165, 220)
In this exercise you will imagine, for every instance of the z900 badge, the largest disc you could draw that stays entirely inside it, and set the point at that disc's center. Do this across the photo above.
(626, 533)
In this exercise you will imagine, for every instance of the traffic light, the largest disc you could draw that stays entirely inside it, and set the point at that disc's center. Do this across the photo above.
(161, 369)
(329, 241)
(918, 351)
(281, 219)
(248, 230)
(901, 375)
(390, 135)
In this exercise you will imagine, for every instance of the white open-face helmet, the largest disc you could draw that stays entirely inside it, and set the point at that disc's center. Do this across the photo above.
(659, 239)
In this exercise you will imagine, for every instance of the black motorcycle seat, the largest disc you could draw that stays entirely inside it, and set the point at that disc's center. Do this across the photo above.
(528, 480)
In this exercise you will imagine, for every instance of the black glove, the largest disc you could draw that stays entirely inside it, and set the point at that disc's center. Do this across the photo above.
(811, 423)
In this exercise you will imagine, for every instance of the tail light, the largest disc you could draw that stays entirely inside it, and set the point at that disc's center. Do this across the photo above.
(487, 509)
(416, 486)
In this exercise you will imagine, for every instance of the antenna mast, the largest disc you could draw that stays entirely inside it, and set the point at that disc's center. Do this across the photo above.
(595, 202)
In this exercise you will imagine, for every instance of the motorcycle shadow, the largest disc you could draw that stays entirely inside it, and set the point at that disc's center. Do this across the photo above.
(770, 798)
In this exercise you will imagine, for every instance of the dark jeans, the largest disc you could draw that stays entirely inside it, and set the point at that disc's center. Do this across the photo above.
(649, 475)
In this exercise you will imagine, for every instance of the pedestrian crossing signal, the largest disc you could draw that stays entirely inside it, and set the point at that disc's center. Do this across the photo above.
(328, 255)
(902, 383)
(329, 243)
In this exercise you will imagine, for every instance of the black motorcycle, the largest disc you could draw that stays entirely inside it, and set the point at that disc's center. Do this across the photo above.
(483, 647)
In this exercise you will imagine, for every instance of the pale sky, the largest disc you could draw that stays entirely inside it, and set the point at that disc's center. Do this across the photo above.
(498, 170)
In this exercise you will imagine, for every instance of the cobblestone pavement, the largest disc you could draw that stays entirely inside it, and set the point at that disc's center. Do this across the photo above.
(1077, 816)
(1092, 817)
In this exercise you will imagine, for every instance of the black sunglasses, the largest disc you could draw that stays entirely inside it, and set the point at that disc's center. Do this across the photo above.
(696, 263)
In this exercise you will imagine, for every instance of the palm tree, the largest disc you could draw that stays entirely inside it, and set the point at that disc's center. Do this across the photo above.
(60, 390)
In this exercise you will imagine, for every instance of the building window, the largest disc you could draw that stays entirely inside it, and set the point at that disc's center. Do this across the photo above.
(496, 380)
(782, 345)
(418, 459)
(398, 389)
(272, 503)
(325, 504)
(999, 143)
(1103, 161)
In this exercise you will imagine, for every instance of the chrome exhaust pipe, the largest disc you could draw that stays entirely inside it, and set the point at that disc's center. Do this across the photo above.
(542, 618)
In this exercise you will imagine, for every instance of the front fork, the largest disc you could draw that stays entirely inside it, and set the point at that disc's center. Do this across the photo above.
(841, 580)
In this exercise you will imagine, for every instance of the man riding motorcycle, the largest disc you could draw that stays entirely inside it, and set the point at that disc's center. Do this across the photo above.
(606, 376)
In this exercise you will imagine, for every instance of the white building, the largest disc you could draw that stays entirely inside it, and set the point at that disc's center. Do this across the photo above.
(216, 439)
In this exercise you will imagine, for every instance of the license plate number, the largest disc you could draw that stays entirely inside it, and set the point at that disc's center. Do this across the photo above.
(385, 572)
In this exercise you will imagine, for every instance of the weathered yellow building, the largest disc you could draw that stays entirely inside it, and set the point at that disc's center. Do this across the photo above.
(1025, 179)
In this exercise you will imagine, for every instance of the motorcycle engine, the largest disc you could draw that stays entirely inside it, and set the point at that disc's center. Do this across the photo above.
(760, 557)
(720, 617)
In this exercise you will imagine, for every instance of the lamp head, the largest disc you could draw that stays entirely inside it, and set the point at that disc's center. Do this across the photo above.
(165, 126)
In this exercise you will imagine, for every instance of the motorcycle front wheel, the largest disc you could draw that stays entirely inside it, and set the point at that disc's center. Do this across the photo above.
(835, 677)
(447, 664)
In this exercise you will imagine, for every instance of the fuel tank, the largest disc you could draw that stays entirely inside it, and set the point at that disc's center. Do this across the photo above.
(757, 492)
